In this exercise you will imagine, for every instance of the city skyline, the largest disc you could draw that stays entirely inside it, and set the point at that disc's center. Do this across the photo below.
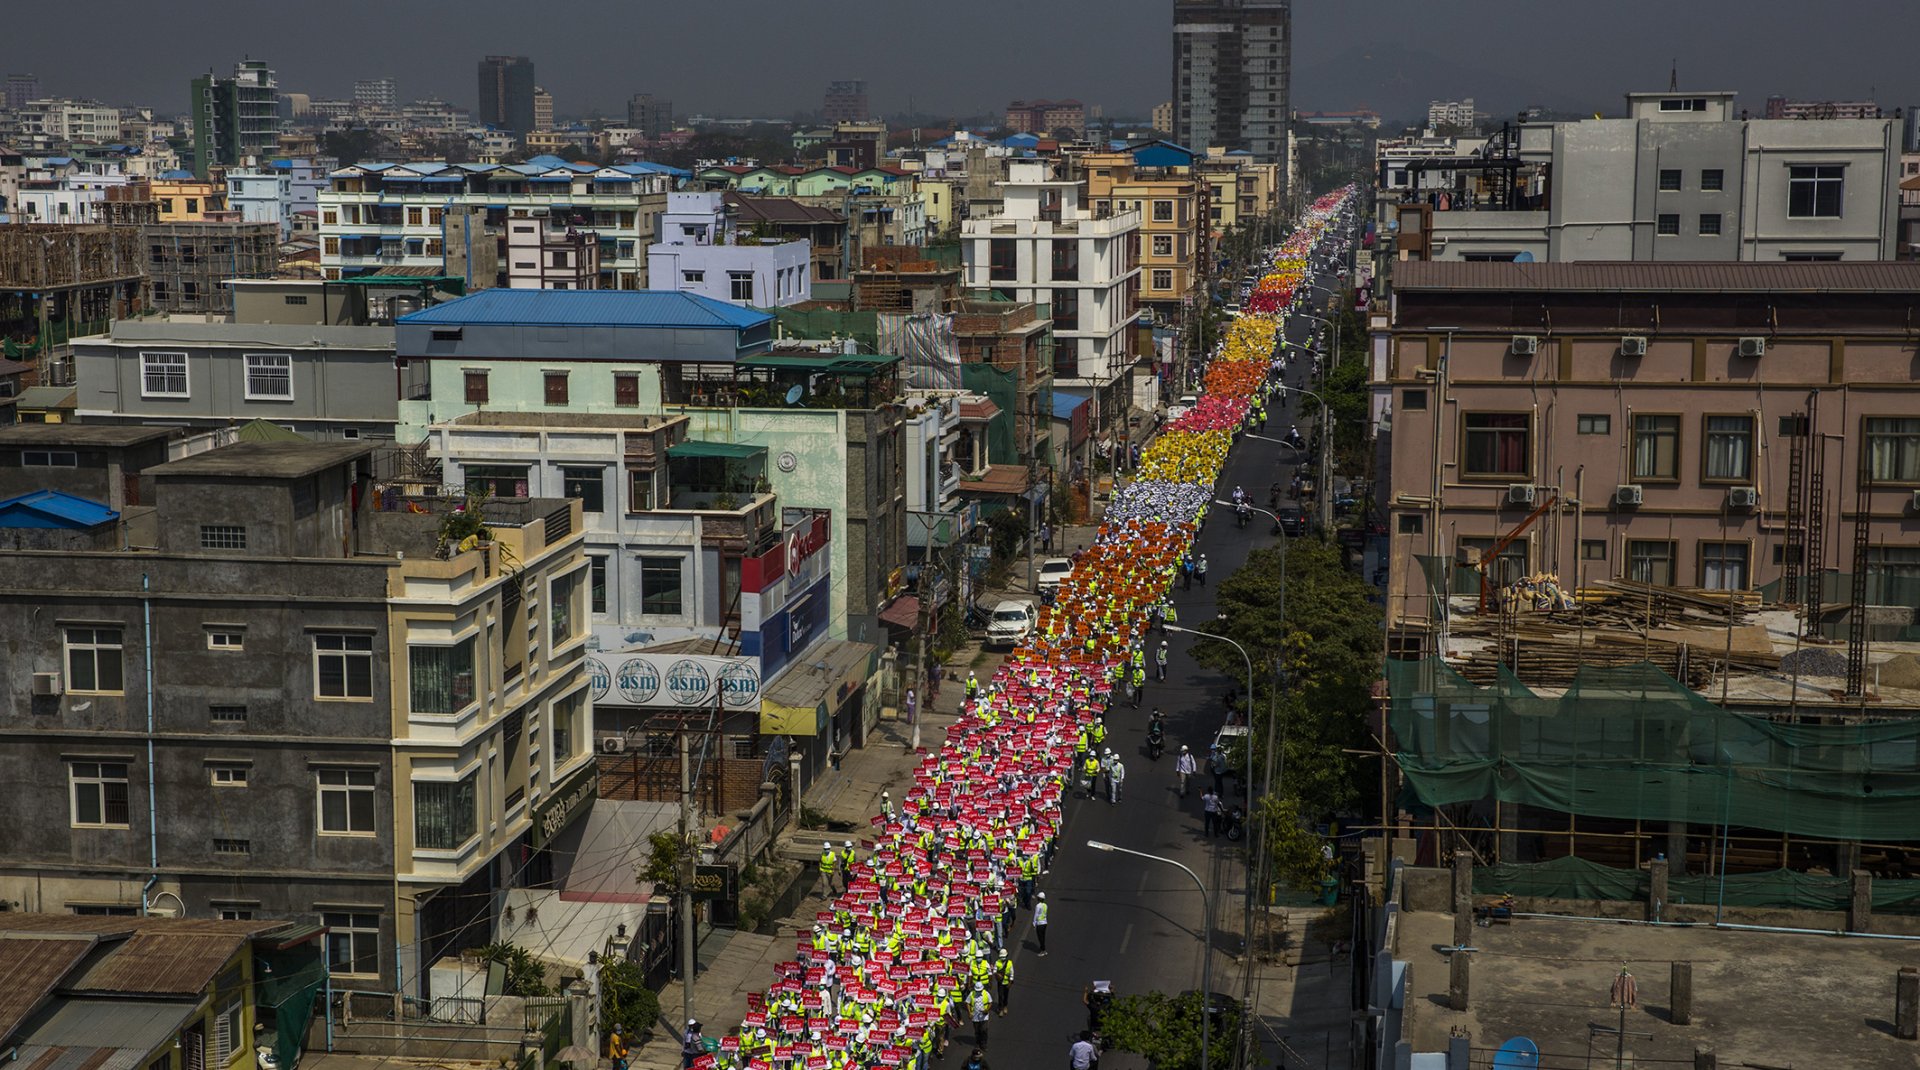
(1120, 61)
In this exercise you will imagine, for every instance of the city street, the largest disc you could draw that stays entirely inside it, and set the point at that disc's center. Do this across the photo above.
(1125, 919)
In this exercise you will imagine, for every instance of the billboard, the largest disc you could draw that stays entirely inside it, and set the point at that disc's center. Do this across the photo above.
(643, 680)
(785, 596)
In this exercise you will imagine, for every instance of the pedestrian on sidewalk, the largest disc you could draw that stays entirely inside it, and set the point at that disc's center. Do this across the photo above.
(1040, 918)
(1139, 682)
(1046, 537)
(1210, 813)
(829, 863)
(1160, 662)
(1200, 569)
(617, 1050)
(913, 720)
(1186, 573)
(1217, 765)
(1116, 776)
(1185, 767)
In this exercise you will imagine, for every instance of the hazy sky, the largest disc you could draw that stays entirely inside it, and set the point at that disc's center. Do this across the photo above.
(774, 57)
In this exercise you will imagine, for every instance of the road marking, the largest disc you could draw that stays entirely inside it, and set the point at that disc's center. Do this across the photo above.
(1124, 937)
(1144, 877)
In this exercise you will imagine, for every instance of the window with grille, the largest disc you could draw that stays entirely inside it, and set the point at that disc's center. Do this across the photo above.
(476, 384)
(229, 776)
(660, 586)
(626, 391)
(1712, 180)
(1723, 566)
(556, 387)
(269, 377)
(1650, 561)
(98, 794)
(227, 714)
(443, 813)
(232, 847)
(1669, 179)
(163, 374)
(1667, 223)
(440, 678)
(223, 537)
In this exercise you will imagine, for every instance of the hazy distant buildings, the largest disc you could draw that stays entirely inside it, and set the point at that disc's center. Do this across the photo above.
(1043, 117)
(650, 115)
(1456, 113)
(1232, 78)
(1782, 108)
(846, 102)
(506, 93)
(542, 108)
(1163, 117)
(234, 118)
(20, 89)
(382, 93)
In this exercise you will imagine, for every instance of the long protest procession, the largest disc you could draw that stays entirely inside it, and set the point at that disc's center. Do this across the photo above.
(925, 924)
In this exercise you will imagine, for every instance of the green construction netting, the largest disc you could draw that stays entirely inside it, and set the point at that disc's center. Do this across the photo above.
(1561, 878)
(1629, 742)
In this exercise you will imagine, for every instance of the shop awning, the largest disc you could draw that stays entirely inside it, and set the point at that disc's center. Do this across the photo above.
(801, 700)
(997, 479)
(729, 450)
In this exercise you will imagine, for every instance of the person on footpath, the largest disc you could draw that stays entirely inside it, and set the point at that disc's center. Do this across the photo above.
(617, 1050)
(1200, 569)
(1139, 682)
(913, 719)
(1160, 663)
(1210, 811)
(692, 1045)
(1185, 767)
(829, 864)
(1040, 919)
(1186, 573)
(1082, 1055)
(1217, 765)
(1116, 776)
(1003, 981)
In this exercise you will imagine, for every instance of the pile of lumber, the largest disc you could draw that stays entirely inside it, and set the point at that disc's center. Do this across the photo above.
(1688, 632)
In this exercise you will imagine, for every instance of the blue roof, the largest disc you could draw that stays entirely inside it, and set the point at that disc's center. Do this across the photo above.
(590, 308)
(53, 509)
(1022, 140)
(177, 175)
(1065, 401)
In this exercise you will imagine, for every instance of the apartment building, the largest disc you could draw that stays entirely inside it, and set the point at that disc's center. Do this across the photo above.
(294, 697)
(1048, 245)
(234, 119)
(542, 258)
(1784, 108)
(1459, 114)
(846, 102)
(506, 94)
(1679, 178)
(380, 216)
(1232, 75)
(263, 197)
(701, 251)
(376, 94)
(1176, 232)
(1043, 117)
(1666, 417)
(63, 121)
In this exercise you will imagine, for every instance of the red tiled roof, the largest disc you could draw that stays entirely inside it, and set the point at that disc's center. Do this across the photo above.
(979, 409)
(903, 613)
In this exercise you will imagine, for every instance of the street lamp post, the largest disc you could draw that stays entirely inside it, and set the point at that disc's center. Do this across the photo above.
(1206, 941)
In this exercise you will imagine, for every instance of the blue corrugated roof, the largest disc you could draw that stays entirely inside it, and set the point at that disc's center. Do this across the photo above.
(590, 308)
(53, 509)
(1064, 402)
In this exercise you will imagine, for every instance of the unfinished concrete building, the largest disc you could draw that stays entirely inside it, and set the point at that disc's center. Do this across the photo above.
(59, 280)
(188, 264)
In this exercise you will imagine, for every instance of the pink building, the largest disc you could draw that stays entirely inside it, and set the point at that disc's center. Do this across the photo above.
(1667, 410)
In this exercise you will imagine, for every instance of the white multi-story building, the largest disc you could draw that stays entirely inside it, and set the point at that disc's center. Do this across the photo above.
(1450, 113)
(375, 93)
(1046, 246)
(542, 258)
(378, 216)
(61, 119)
(699, 252)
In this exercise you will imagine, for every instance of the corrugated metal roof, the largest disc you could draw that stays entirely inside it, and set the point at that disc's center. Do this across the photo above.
(1847, 276)
(32, 967)
(102, 1034)
(590, 308)
(52, 508)
(154, 963)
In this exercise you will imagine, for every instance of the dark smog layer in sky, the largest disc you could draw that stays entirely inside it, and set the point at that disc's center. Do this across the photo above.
(773, 57)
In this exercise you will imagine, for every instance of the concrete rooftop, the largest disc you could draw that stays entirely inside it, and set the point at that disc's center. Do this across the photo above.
(1759, 999)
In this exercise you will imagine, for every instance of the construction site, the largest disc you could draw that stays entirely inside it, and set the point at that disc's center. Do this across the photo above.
(1570, 732)
(189, 263)
(59, 280)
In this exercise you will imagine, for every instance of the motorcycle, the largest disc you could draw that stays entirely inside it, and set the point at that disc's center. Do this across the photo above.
(1155, 744)
(1236, 822)
(1242, 514)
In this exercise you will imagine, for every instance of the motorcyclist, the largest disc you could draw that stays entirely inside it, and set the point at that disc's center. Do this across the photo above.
(1156, 735)
(1243, 512)
(1239, 495)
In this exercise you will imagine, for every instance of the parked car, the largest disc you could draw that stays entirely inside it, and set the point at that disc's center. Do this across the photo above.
(1292, 520)
(1011, 623)
(1051, 572)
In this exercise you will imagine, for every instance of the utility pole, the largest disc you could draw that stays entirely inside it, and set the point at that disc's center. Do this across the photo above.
(687, 956)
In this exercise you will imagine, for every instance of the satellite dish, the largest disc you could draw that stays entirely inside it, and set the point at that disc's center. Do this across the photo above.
(1523, 258)
(794, 395)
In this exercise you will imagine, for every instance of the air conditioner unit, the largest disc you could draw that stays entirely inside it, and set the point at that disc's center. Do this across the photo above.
(1524, 345)
(1743, 497)
(1915, 504)
(613, 745)
(163, 912)
(47, 683)
(1633, 345)
(1628, 494)
(1519, 494)
(1753, 347)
